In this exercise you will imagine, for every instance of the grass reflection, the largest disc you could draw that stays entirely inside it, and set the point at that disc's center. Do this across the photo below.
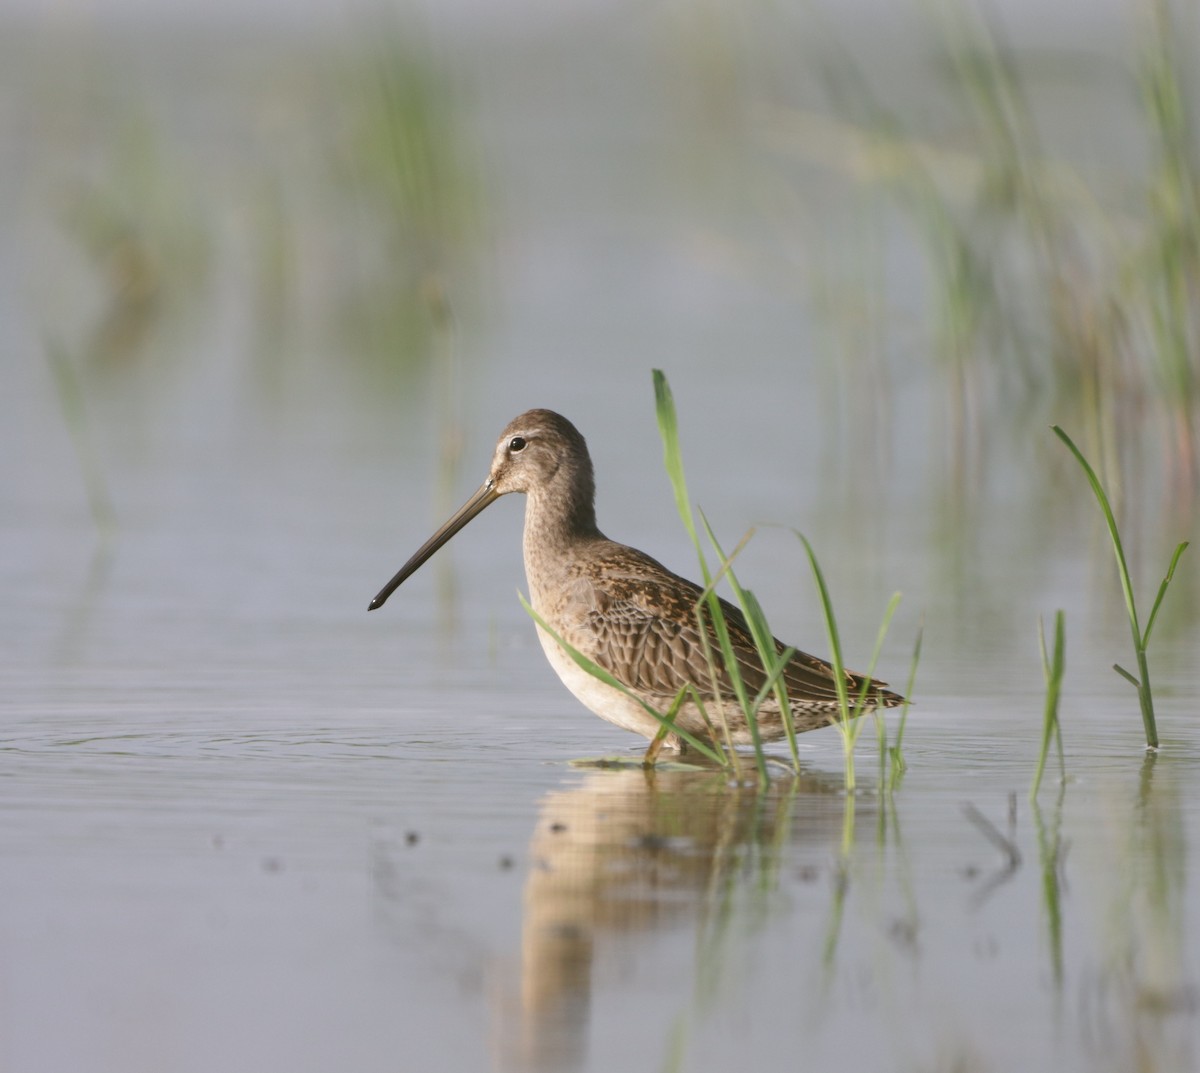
(1141, 1004)
(1052, 850)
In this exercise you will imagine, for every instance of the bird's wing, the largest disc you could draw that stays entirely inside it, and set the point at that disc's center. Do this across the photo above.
(637, 620)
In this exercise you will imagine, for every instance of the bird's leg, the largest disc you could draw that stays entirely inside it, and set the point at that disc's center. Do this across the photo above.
(655, 747)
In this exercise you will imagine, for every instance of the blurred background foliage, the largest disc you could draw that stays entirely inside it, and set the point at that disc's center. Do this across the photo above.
(1013, 226)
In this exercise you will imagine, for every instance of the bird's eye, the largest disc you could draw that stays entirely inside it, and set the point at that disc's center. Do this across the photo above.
(517, 443)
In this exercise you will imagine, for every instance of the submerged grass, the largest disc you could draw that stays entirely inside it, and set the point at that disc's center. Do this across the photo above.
(1052, 849)
(1141, 637)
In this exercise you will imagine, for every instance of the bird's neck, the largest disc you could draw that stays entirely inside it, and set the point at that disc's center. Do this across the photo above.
(555, 524)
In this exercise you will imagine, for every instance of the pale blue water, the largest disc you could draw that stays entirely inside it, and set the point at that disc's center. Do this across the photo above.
(244, 825)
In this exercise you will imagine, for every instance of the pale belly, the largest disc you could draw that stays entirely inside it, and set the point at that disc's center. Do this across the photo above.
(598, 697)
(622, 710)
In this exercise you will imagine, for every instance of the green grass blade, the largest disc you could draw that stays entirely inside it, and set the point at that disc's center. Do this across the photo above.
(1145, 695)
(1162, 591)
(1113, 532)
(865, 688)
(720, 628)
(831, 630)
(1127, 676)
(884, 624)
(668, 428)
(712, 617)
(698, 701)
(714, 680)
(773, 673)
(760, 632)
(896, 751)
(835, 658)
(1058, 668)
(1042, 648)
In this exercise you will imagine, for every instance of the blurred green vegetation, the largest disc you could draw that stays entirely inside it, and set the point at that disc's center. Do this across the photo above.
(337, 185)
(399, 156)
(1054, 293)
(332, 183)
(132, 217)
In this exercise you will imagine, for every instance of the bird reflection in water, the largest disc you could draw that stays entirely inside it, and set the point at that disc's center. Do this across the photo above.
(627, 852)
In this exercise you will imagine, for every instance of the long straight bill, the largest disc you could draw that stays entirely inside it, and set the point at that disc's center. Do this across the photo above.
(486, 495)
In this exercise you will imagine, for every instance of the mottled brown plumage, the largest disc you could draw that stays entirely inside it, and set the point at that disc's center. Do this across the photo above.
(623, 610)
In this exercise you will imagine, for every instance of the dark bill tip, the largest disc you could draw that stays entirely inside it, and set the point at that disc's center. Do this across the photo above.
(486, 495)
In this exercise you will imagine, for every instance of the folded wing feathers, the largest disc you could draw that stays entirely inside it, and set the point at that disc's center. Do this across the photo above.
(642, 628)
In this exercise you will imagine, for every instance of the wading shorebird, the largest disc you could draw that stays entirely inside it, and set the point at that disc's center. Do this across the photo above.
(625, 611)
